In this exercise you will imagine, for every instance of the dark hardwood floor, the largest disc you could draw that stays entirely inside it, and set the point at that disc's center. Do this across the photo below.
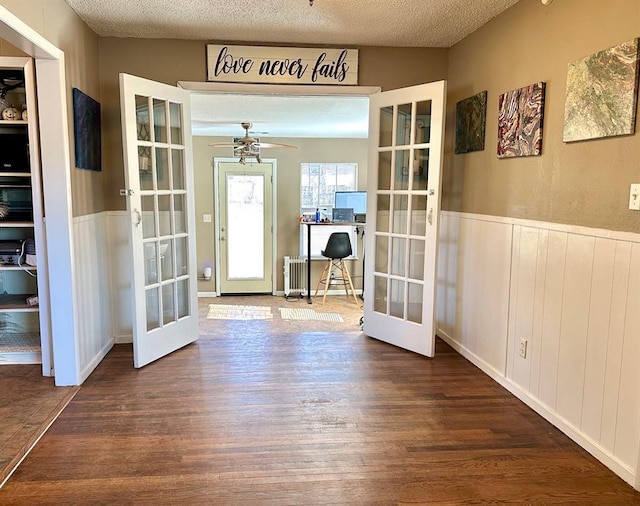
(258, 413)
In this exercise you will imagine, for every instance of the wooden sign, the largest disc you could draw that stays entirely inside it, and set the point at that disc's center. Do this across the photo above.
(281, 65)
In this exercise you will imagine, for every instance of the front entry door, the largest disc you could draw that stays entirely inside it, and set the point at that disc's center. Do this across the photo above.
(245, 227)
(406, 128)
(156, 124)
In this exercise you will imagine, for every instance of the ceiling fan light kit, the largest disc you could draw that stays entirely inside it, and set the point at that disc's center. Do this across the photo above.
(249, 147)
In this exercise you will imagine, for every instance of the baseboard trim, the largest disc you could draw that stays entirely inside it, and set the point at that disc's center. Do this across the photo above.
(604, 456)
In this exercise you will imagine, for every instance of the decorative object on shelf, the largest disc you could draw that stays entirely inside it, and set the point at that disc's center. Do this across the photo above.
(11, 114)
(86, 131)
(520, 114)
(471, 119)
(4, 209)
(25, 116)
(601, 95)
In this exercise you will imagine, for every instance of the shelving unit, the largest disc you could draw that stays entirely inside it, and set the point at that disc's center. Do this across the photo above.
(23, 331)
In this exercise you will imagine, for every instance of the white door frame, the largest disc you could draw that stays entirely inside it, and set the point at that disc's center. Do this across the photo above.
(56, 182)
(274, 218)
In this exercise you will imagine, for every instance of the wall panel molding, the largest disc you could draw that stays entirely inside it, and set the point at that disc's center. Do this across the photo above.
(573, 294)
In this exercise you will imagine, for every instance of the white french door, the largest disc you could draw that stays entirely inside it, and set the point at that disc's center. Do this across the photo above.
(156, 124)
(245, 226)
(406, 128)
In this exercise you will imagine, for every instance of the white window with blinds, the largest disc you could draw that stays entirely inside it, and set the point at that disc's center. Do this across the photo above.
(318, 184)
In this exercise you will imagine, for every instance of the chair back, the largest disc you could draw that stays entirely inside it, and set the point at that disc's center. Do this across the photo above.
(338, 246)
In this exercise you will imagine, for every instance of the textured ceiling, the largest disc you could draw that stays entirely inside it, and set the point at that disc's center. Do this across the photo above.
(405, 23)
(348, 23)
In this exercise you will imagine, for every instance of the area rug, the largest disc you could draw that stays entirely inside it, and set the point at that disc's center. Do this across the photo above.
(234, 312)
(308, 314)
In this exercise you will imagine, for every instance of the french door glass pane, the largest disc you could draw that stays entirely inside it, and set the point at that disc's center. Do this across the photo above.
(148, 216)
(182, 297)
(423, 122)
(168, 304)
(421, 169)
(162, 169)
(396, 298)
(164, 214)
(177, 162)
(419, 215)
(403, 130)
(160, 120)
(142, 118)
(245, 226)
(166, 260)
(400, 210)
(398, 256)
(380, 295)
(179, 213)
(416, 259)
(414, 303)
(401, 181)
(175, 118)
(382, 254)
(150, 263)
(386, 126)
(384, 170)
(182, 256)
(153, 308)
(145, 168)
(384, 213)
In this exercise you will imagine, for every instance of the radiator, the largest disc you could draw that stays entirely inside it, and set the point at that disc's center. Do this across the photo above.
(295, 276)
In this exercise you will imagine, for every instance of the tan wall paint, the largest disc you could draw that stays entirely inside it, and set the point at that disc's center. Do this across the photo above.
(581, 183)
(288, 194)
(170, 61)
(60, 25)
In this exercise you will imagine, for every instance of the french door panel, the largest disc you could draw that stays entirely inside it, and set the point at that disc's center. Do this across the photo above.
(405, 135)
(158, 158)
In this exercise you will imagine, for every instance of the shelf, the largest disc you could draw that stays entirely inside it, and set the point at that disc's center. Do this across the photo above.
(16, 224)
(14, 122)
(14, 267)
(16, 303)
(15, 174)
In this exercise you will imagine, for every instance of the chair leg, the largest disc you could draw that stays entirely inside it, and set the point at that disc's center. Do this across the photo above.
(347, 277)
(328, 282)
(322, 277)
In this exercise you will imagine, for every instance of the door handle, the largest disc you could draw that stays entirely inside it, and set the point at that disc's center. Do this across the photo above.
(138, 216)
(430, 216)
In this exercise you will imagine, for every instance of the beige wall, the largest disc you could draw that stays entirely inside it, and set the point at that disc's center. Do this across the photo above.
(581, 183)
(59, 24)
(288, 194)
(170, 61)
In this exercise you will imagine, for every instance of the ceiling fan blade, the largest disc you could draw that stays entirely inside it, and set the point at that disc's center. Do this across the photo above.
(224, 144)
(271, 145)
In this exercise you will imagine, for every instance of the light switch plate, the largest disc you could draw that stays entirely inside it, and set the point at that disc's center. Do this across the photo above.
(206, 218)
(634, 197)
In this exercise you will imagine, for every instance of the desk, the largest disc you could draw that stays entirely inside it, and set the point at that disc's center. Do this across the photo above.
(310, 224)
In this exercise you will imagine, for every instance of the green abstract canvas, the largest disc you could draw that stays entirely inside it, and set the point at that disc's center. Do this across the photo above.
(601, 96)
(471, 118)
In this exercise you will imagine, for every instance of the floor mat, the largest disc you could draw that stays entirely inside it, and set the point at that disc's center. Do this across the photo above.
(234, 312)
(308, 314)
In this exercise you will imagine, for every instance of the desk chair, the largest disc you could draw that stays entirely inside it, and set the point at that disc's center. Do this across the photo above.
(337, 249)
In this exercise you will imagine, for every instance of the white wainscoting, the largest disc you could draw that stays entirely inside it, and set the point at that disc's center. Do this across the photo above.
(91, 262)
(121, 275)
(573, 294)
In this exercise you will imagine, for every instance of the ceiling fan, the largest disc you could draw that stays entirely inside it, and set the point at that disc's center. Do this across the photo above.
(249, 147)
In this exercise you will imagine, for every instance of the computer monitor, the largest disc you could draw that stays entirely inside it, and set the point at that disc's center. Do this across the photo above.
(355, 200)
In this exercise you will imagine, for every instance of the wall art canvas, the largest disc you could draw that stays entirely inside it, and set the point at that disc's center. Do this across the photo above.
(471, 119)
(86, 131)
(520, 117)
(602, 91)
